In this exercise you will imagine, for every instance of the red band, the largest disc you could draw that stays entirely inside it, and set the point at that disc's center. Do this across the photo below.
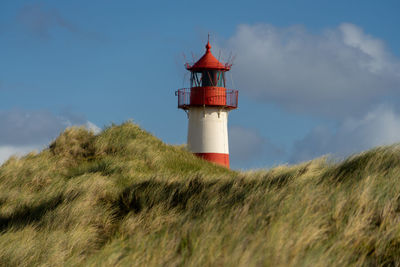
(218, 158)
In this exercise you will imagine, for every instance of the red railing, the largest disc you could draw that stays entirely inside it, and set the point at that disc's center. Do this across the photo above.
(199, 96)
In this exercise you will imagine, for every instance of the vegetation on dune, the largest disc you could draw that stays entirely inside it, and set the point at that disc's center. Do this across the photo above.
(125, 198)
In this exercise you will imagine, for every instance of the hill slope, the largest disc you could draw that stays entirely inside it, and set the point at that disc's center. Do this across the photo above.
(125, 198)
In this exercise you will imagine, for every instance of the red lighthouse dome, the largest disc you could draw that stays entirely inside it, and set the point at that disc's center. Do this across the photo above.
(208, 61)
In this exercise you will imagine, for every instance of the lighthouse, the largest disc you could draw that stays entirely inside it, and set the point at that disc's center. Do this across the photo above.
(207, 103)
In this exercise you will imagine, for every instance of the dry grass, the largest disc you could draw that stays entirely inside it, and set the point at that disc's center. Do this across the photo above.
(125, 198)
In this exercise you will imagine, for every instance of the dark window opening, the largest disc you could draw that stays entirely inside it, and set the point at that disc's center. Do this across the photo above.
(208, 78)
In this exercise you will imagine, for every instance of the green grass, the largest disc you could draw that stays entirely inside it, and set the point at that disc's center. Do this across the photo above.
(125, 198)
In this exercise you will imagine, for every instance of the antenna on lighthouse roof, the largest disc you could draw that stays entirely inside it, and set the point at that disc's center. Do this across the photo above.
(208, 46)
(193, 58)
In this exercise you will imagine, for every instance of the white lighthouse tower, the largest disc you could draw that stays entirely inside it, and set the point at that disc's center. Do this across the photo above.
(207, 103)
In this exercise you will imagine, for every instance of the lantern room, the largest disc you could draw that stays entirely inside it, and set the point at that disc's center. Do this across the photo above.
(207, 84)
(207, 78)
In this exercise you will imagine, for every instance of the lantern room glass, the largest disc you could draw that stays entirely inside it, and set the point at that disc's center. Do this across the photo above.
(207, 78)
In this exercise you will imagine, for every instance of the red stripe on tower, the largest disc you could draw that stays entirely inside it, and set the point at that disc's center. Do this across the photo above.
(218, 158)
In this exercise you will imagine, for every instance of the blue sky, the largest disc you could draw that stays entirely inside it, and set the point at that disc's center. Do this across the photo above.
(315, 77)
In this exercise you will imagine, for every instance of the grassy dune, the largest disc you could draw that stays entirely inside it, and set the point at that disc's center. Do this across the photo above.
(125, 198)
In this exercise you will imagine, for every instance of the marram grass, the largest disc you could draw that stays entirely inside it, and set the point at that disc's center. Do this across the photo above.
(124, 198)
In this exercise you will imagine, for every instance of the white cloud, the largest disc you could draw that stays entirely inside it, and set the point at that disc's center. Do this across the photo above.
(22, 131)
(353, 36)
(247, 145)
(22, 127)
(92, 127)
(8, 151)
(43, 21)
(339, 72)
(40, 20)
(378, 127)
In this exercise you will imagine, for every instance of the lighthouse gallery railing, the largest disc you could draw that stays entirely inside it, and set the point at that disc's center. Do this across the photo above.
(228, 97)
